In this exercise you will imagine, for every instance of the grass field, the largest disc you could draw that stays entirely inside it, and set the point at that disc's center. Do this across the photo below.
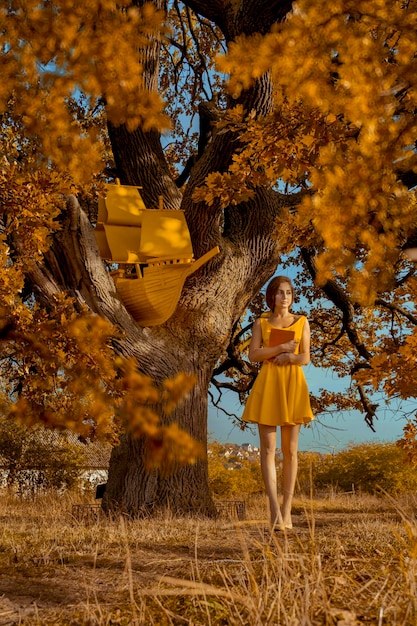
(349, 560)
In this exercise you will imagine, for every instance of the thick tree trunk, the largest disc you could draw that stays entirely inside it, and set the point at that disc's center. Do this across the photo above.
(213, 298)
(193, 340)
(134, 491)
(211, 302)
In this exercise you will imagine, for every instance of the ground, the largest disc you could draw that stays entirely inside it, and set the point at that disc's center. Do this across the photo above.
(347, 561)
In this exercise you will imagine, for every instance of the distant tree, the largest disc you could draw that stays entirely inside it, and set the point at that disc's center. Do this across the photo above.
(369, 467)
(35, 461)
(305, 144)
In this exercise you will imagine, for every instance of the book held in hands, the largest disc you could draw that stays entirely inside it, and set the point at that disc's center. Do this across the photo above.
(279, 336)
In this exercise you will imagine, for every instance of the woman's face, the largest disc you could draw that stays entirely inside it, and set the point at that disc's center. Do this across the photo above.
(283, 297)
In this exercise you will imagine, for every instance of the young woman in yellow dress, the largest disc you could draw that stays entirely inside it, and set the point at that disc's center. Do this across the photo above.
(279, 396)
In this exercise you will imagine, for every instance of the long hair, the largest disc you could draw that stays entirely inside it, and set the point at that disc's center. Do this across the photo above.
(273, 286)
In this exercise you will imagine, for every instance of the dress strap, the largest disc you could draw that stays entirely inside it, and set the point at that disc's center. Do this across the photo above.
(264, 329)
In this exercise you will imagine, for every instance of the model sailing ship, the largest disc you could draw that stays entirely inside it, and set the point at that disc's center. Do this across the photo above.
(153, 251)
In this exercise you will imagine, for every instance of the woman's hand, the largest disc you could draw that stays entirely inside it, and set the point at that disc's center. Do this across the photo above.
(286, 353)
(289, 346)
(285, 358)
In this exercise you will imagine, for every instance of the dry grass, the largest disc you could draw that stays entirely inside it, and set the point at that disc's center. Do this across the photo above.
(349, 560)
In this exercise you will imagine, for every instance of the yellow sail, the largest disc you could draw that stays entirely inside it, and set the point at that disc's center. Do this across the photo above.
(127, 232)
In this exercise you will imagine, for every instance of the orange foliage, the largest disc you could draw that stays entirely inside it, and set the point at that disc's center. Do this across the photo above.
(54, 50)
(343, 126)
(60, 370)
(341, 135)
(58, 366)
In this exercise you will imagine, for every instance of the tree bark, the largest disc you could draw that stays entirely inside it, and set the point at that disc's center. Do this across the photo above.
(212, 300)
(191, 341)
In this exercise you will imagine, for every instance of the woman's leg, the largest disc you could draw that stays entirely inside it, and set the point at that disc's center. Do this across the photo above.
(267, 438)
(289, 448)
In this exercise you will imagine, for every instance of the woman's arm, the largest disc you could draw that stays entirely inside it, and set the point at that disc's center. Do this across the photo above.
(258, 353)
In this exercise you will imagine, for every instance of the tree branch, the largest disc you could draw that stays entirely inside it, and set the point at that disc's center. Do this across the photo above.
(251, 15)
(397, 309)
(208, 114)
(341, 301)
(370, 414)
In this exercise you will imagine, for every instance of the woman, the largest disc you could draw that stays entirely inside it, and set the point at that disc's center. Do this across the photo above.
(279, 396)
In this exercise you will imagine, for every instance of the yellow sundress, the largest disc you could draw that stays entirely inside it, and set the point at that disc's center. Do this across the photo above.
(279, 395)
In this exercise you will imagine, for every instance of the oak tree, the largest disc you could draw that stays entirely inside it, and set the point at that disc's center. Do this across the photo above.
(278, 128)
